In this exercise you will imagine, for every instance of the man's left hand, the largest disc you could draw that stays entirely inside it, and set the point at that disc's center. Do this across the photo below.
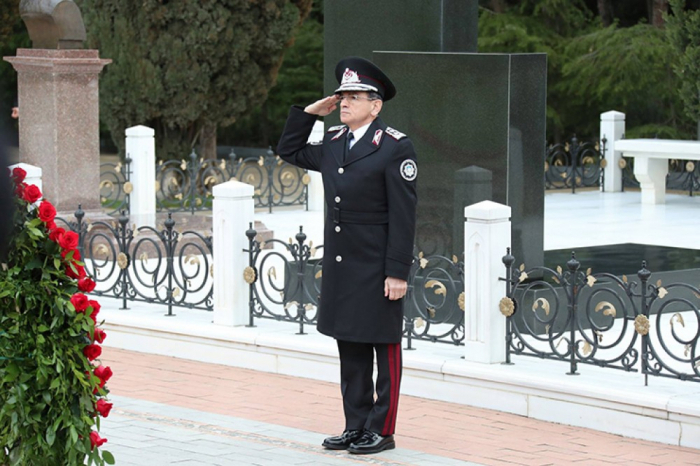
(394, 288)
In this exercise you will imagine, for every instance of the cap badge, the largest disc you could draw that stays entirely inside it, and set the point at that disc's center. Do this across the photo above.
(377, 137)
(350, 77)
(409, 170)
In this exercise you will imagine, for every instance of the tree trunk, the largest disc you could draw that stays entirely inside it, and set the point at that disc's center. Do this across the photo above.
(208, 140)
(605, 12)
(658, 8)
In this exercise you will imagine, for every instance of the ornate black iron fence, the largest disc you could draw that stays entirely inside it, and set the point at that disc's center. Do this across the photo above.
(683, 175)
(601, 319)
(186, 185)
(284, 281)
(115, 186)
(574, 165)
(144, 264)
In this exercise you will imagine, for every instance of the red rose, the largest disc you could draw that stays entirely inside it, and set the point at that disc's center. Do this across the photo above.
(95, 309)
(19, 174)
(100, 334)
(79, 301)
(31, 194)
(50, 226)
(47, 212)
(86, 285)
(103, 407)
(56, 234)
(92, 351)
(69, 240)
(104, 373)
(96, 440)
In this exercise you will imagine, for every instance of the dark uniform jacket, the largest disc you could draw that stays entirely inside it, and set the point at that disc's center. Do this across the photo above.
(370, 226)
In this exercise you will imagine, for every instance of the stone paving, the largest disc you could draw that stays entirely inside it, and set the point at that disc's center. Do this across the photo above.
(174, 411)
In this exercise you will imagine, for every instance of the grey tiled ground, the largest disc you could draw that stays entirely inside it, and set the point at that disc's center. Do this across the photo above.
(143, 433)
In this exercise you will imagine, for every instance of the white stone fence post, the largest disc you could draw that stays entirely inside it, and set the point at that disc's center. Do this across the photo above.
(141, 149)
(612, 128)
(233, 213)
(487, 231)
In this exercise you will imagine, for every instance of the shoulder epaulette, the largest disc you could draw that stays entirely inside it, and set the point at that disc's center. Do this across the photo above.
(394, 133)
(335, 128)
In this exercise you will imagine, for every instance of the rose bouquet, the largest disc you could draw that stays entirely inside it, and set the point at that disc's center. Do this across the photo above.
(52, 388)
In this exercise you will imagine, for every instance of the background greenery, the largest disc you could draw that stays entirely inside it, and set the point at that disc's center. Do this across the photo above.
(626, 55)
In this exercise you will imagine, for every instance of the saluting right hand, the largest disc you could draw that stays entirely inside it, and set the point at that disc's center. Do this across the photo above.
(324, 106)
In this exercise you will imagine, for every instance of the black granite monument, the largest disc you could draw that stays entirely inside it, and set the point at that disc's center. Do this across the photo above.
(460, 109)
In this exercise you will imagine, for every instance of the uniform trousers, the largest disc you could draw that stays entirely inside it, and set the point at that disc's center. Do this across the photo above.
(362, 410)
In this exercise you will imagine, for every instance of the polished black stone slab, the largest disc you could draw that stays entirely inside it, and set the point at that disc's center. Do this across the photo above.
(360, 27)
(485, 110)
(626, 258)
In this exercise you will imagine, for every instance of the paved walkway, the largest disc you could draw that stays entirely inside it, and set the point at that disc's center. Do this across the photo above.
(174, 411)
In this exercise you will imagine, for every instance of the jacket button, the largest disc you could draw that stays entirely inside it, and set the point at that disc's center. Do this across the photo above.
(341, 170)
(338, 258)
(337, 229)
(337, 199)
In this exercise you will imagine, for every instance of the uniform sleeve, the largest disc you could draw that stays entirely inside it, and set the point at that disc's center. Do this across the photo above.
(401, 200)
(293, 147)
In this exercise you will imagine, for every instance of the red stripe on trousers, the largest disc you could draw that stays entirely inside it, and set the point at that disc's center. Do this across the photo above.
(398, 385)
(390, 421)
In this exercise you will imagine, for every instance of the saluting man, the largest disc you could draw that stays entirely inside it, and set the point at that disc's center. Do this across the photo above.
(369, 176)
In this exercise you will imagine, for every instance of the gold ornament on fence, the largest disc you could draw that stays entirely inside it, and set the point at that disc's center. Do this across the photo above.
(506, 306)
(603, 163)
(122, 260)
(460, 301)
(128, 187)
(306, 179)
(249, 275)
(622, 163)
(641, 324)
(690, 167)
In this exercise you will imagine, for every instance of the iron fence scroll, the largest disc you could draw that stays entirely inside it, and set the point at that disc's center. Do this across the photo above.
(145, 264)
(186, 185)
(284, 280)
(598, 318)
(575, 164)
(115, 186)
(284, 284)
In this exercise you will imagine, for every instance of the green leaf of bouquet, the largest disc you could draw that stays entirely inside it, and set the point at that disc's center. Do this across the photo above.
(11, 372)
(50, 435)
(73, 434)
(108, 457)
(57, 263)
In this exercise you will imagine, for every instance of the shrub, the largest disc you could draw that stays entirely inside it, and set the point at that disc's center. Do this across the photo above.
(51, 392)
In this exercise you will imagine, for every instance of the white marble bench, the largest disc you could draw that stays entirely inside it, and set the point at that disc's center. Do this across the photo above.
(651, 158)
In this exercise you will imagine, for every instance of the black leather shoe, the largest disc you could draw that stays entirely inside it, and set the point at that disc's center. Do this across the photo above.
(342, 441)
(371, 442)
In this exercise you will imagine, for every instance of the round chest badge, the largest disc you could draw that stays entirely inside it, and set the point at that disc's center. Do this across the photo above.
(409, 170)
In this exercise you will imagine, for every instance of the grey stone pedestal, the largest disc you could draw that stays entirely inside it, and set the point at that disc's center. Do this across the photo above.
(59, 122)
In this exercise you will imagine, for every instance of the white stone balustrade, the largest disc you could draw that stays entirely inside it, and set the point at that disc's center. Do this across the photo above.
(141, 149)
(487, 232)
(233, 212)
(651, 158)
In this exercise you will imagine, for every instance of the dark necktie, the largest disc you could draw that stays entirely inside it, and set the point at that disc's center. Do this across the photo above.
(351, 137)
